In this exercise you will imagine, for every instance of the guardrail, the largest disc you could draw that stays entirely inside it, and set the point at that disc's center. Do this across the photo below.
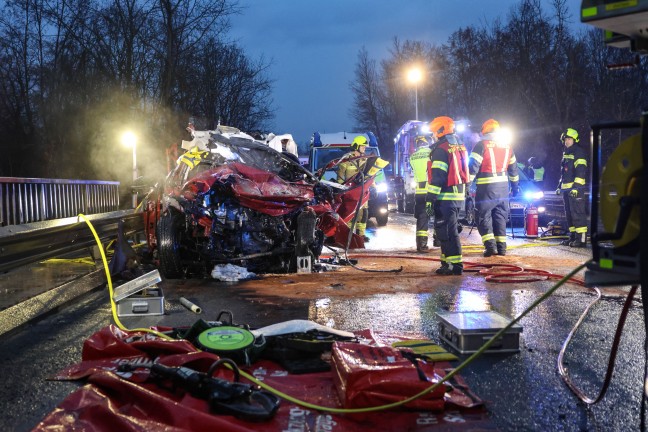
(21, 245)
(26, 244)
(27, 200)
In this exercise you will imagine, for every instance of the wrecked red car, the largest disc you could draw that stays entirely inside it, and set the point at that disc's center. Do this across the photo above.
(231, 199)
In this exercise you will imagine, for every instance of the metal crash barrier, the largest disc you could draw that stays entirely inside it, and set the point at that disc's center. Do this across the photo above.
(27, 200)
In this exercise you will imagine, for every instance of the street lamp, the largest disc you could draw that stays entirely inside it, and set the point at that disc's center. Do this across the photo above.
(129, 139)
(414, 75)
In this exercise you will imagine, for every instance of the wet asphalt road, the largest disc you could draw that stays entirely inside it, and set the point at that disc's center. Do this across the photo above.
(522, 391)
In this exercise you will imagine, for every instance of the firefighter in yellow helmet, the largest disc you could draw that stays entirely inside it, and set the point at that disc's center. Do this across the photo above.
(492, 167)
(572, 186)
(419, 163)
(349, 168)
(447, 182)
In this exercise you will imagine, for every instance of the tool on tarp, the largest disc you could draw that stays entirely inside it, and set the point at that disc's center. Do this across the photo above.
(190, 305)
(243, 401)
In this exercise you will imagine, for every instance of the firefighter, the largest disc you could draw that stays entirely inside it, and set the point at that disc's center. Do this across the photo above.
(447, 182)
(537, 172)
(419, 163)
(346, 170)
(572, 187)
(492, 167)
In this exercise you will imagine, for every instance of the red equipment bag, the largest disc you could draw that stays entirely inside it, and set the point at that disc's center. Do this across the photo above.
(368, 376)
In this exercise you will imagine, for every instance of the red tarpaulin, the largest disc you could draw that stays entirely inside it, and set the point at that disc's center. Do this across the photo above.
(124, 401)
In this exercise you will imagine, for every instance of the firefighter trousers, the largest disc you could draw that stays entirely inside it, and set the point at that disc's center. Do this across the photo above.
(446, 216)
(361, 222)
(576, 212)
(492, 215)
(422, 218)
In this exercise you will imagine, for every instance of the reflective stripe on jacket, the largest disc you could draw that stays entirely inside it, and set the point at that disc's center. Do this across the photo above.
(493, 162)
(573, 168)
(448, 174)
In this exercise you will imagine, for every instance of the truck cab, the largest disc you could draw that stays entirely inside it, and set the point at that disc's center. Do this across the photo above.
(327, 147)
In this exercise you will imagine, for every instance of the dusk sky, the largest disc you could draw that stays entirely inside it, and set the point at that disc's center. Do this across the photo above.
(313, 47)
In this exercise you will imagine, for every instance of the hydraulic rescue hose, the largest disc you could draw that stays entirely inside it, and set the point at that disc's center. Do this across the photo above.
(110, 287)
(305, 404)
(562, 370)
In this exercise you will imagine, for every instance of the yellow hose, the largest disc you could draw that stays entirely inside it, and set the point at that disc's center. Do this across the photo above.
(331, 409)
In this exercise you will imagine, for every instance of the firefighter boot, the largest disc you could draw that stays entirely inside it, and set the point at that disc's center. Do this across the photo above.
(444, 267)
(501, 248)
(421, 245)
(580, 241)
(572, 237)
(490, 248)
(455, 269)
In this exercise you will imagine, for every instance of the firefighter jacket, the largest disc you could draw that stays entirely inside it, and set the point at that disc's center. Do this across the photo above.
(448, 172)
(419, 163)
(493, 163)
(573, 169)
(349, 168)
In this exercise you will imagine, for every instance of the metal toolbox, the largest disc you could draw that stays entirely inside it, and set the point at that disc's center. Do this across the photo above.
(466, 332)
(140, 296)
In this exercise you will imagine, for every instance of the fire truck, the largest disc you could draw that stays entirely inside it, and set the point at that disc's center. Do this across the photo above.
(327, 147)
(402, 183)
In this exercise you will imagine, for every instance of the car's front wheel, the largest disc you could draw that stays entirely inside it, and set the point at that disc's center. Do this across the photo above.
(170, 232)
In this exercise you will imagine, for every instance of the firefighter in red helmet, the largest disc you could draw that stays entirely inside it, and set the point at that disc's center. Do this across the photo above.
(492, 167)
(447, 182)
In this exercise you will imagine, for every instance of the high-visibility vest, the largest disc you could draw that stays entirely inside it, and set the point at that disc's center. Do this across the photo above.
(419, 162)
(494, 162)
(538, 174)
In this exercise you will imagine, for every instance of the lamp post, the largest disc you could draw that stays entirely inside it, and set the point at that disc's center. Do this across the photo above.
(129, 139)
(414, 75)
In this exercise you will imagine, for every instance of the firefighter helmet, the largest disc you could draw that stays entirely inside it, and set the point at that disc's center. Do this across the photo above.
(358, 142)
(570, 133)
(422, 141)
(442, 126)
(489, 126)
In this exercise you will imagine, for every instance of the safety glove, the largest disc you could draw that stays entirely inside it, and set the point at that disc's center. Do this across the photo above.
(574, 193)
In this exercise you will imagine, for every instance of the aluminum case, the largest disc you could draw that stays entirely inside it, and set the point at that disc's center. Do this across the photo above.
(467, 332)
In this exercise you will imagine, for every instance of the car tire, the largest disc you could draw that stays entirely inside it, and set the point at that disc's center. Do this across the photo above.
(169, 235)
(382, 219)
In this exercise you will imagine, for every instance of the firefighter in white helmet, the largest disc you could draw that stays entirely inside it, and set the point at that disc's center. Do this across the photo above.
(419, 163)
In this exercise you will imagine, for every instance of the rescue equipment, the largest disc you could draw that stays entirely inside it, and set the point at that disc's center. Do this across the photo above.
(367, 376)
(531, 221)
(466, 332)
(243, 401)
(226, 340)
(616, 252)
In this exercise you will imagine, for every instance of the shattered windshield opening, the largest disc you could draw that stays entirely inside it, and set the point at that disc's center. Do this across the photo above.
(236, 149)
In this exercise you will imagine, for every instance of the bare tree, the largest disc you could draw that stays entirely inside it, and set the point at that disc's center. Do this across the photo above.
(369, 97)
